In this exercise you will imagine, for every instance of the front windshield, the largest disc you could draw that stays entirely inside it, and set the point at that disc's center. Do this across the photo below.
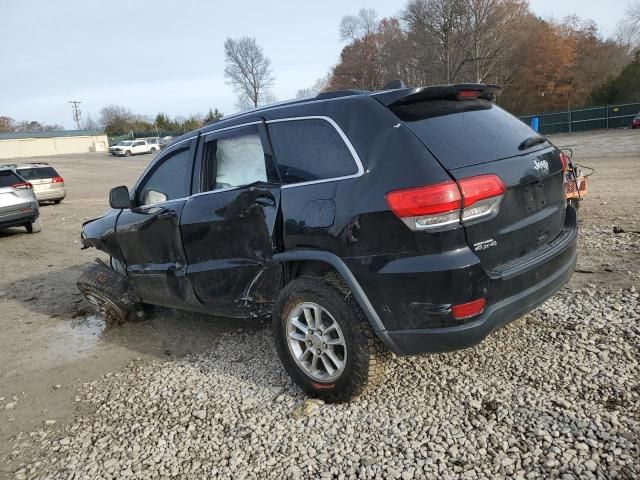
(126, 144)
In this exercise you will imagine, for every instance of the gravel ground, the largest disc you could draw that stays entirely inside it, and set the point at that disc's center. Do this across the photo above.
(555, 394)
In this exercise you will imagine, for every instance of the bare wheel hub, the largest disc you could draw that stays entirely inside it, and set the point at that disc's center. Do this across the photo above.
(104, 306)
(316, 342)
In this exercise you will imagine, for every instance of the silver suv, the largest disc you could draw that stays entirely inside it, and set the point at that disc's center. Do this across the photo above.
(18, 204)
(47, 184)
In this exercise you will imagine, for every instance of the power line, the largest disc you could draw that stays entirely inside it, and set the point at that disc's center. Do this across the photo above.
(76, 112)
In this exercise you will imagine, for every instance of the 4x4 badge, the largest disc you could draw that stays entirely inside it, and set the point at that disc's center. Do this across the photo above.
(483, 245)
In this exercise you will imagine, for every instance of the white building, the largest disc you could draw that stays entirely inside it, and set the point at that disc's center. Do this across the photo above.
(38, 144)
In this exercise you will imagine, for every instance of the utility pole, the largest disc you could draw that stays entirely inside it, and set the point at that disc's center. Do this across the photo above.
(76, 112)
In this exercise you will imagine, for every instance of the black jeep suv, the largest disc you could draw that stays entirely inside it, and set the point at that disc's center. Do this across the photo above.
(408, 221)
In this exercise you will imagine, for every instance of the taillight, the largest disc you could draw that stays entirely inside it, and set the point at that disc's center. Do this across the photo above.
(447, 203)
(565, 162)
(57, 180)
(22, 186)
(481, 195)
(432, 206)
(468, 310)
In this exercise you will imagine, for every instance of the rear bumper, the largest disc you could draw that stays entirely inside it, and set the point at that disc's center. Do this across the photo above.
(413, 326)
(435, 340)
(57, 194)
(15, 219)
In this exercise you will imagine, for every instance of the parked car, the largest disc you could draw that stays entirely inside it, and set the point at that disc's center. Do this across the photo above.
(410, 220)
(47, 184)
(635, 123)
(164, 141)
(133, 147)
(18, 204)
(154, 143)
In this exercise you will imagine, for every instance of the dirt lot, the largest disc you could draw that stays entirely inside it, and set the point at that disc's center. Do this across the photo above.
(51, 345)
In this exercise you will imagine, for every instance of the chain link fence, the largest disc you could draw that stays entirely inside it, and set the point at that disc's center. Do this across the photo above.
(609, 116)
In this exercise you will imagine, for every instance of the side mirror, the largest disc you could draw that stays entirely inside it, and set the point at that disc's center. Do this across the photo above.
(119, 197)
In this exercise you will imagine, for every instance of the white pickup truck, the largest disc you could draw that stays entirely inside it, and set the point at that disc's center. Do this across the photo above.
(133, 147)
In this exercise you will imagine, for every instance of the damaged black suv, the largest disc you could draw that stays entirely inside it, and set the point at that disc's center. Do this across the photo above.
(401, 221)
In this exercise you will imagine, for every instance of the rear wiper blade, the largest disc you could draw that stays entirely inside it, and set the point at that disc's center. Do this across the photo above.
(531, 141)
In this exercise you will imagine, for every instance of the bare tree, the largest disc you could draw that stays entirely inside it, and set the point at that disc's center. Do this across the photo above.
(320, 85)
(90, 124)
(628, 29)
(490, 24)
(357, 27)
(440, 24)
(633, 12)
(7, 124)
(33, 126)
(248, 70)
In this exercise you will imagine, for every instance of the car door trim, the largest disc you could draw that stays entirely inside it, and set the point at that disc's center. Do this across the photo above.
(213, 132)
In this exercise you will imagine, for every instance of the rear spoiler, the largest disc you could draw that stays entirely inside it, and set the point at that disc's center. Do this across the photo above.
(406, 96)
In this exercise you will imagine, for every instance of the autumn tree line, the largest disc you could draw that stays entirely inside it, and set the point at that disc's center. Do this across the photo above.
(118, 120)
(542, 65)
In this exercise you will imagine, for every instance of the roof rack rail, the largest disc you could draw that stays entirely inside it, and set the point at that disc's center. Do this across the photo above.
(339, 93)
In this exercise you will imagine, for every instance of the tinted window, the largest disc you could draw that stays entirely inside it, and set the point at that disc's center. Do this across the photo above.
(469, 132)
(168, 181)
(308, 150)
(235, 158)
(8, 178)
(37, 173)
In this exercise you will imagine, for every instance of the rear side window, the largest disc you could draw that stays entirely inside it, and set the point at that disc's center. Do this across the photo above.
(38, 173)
(310, 149)
(8, 178)
(468, 132)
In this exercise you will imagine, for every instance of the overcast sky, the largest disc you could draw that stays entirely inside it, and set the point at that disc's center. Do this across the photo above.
(167, 56)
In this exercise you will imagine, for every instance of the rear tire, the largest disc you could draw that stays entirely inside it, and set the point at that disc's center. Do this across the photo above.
(152, 151)
(109, 294)
(361, 358)
(34, 227)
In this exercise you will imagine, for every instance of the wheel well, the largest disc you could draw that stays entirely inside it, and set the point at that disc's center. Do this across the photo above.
(295, 269)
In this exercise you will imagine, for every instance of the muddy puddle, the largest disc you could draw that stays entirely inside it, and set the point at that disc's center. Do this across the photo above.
(76, 338)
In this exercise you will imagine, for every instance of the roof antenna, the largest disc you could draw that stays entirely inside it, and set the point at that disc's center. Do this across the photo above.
(394, 84)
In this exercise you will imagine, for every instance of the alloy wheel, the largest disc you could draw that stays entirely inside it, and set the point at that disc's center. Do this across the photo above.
(316, 342)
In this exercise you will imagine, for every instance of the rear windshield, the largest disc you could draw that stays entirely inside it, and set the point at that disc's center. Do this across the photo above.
(469, 132)
(8, 178)
(38, 173)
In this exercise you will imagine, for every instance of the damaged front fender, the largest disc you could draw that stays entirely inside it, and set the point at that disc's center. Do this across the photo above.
(100, 233)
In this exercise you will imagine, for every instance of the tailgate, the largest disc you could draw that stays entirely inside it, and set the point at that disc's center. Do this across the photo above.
(532, 211)
(11, 201)
(473, 136)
